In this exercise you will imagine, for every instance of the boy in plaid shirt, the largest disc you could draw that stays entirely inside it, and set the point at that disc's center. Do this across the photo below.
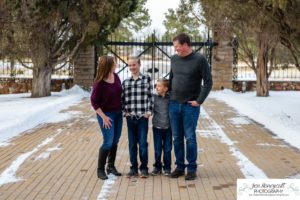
(137, 104)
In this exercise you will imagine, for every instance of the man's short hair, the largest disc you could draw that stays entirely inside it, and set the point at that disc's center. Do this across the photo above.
(183, 38)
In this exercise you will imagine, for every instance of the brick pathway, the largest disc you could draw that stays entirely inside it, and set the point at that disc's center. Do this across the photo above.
(69, 172)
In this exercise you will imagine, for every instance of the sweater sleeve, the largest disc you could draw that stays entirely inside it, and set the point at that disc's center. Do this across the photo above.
(123, 97)
(207, 81)
(170, 75)
(96, 96)
(170, 80)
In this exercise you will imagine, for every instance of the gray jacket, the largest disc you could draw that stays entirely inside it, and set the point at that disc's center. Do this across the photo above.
(161, 112)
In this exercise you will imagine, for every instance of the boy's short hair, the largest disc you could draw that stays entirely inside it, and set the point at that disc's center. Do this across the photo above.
(138, 59)
(165, 82)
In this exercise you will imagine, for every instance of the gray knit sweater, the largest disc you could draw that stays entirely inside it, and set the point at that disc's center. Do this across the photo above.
(186, 76)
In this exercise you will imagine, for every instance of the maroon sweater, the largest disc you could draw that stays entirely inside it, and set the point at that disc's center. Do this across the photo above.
(107, 96)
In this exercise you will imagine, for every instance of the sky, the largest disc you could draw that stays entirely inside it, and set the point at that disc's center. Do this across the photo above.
(157, 8)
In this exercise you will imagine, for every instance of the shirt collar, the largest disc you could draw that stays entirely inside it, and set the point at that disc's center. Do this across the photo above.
(140, 77)
(166, 95)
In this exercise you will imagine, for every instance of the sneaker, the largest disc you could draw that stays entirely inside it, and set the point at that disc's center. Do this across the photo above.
(167, 173)
(144, 174)
(176, 173)
(155, 172)
(132, 173)
(190, 176)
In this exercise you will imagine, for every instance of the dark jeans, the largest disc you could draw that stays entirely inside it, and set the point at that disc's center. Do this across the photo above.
(112, 135)
(137, 135)
(183, 119)
(162, 142)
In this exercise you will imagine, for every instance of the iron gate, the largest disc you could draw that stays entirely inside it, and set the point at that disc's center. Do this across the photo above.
(154, 52)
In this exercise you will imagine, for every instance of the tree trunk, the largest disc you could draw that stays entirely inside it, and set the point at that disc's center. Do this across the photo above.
(262, 83)
(41, 82)
(13, 71)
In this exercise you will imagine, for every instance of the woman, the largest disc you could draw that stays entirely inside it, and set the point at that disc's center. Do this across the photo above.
(106, 100)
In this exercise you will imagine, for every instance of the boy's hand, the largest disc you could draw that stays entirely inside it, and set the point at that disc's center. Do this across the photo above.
(147, 115)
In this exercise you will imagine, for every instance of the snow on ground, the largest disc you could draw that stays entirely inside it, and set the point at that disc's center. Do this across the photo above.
(249, 169)
(240, 120)
(19, 113)
(106, 187)
(280, 112)
(46, 154)
(9, 174)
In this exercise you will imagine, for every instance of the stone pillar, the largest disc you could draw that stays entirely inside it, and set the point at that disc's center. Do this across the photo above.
(222, 61)
(84, 68)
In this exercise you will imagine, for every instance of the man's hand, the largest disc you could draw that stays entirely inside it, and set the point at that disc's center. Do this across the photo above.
(194, 103)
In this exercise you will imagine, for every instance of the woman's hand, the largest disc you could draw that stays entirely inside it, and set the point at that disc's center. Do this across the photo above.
(106, 122)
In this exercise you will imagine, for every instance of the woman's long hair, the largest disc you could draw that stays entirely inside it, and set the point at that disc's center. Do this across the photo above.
(105, 64)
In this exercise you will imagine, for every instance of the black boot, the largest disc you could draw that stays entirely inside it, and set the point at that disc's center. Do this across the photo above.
(111, 162)
(101, 164)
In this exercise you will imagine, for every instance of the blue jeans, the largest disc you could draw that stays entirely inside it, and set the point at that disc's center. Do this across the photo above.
(137, 135)
(112, 135)
(183, 119)
(162, 142)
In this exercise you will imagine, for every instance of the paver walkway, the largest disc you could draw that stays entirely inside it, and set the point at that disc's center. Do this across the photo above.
(59, 161)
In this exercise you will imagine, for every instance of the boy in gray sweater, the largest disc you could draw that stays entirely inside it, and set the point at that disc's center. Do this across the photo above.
(162, 135)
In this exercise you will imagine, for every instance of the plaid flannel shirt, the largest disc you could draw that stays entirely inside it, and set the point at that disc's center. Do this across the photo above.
(137, 97)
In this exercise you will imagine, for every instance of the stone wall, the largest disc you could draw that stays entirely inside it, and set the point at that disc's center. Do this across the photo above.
(23, 85)
(274, 85)
(222, 61)
(84, 69)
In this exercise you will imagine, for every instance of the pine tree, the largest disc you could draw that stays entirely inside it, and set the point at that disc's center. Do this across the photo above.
(259, 27)
(50, 32)
(182, 20)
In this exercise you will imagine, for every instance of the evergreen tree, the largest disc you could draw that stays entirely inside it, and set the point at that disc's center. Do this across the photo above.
(134, 23)
(182, 19)
(259, 27)
(50, 32)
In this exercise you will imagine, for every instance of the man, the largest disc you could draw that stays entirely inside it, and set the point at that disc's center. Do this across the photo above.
(191, 82)
(137, 104)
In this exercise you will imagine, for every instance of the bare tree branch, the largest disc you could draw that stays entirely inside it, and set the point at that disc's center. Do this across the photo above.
(62, 66)
(58, 50)
(23, 64)
(72, 53)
